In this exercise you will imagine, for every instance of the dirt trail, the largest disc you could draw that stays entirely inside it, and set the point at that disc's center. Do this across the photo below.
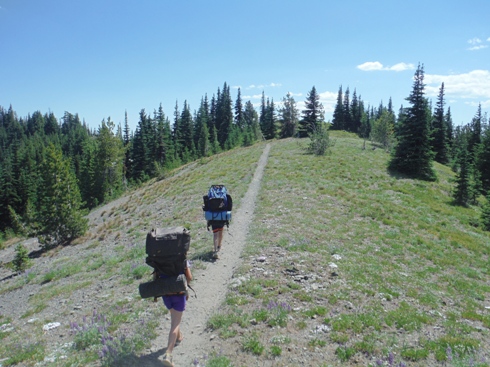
(210, 285)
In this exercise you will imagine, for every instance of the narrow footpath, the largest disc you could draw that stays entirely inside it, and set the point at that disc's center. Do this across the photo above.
(211, 285)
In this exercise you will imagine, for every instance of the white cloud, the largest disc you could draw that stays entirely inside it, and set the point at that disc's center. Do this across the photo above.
(401, 66)
(376, 65)
(475, 84)
(370, 66)
(262, 86)
(475, 48)
(484, 104)
(488, 39)
(476, 44)
(474, 41)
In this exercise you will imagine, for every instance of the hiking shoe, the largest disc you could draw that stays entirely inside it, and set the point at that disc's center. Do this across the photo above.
(215, 255)
(167, 360)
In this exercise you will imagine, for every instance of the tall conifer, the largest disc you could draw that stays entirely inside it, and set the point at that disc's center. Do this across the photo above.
(412, 155)
(312, 115)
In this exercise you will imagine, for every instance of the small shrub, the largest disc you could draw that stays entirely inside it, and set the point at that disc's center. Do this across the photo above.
(275, 351)
(319, 140)
(21, 260)
(345, 353)
(21, 353)
(252, 344)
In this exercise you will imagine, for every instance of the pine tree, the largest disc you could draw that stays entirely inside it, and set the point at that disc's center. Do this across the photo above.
(483, 161)
(253, 132)
(239, 118)
(439, 130)
(413, 155)
(475, 134)
(485, 214)
(382, 130)
(224, 115)
(58, 212)
(186, 125)
(269, 120)
(355, 113)
(288, 117)
(313, 114)
(346, 112)
(109, 161)
(338, 113)
(463, 190)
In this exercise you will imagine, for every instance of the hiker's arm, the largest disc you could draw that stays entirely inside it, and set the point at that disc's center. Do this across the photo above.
(188, 274)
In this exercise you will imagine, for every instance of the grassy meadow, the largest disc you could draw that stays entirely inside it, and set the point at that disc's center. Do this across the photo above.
(363, 267)
(345, 264)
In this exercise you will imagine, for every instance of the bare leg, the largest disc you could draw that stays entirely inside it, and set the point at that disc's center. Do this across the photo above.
(217, 240)
(220, 239)
(176, 318)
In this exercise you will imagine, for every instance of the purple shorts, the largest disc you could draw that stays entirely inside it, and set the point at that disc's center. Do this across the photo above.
(177, 302)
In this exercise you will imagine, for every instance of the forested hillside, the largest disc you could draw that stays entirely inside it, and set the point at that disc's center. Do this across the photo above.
(53, 170)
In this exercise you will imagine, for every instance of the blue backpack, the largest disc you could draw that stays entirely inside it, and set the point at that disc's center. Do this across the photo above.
(217, 199)
(217, 204)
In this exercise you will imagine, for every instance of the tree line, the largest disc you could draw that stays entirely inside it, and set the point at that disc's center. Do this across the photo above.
(420, 134)
(52, 172)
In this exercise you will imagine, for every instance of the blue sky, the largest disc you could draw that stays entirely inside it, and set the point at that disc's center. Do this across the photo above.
(102, 58)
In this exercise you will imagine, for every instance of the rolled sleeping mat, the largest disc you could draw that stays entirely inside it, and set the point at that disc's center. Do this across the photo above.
(219, 216)
(163, 286)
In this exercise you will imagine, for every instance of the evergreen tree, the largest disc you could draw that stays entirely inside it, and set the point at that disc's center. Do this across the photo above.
(269, 121)
(382, 130)
(141, 150)
(483, 161)
(288, 117)
(475, 134)
(263, 113)
(186, 126)
(485, 214)
(203, 145)
(365, 128)
(224, 115)
(338, 113)
(313, 114)
(463, 190)
(448, 120)
(413, 155)
(58, 212)
(347, 112)
(355, 113)
(439, 132)
(164, 148)
(239, 118)
(252, 131)
(109, 162)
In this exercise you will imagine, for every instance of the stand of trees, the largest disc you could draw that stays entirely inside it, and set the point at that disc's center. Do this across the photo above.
(418, 136)
(52, 171)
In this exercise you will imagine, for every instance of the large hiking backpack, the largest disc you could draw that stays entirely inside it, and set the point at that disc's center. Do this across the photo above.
(166, 250)
(217, 204)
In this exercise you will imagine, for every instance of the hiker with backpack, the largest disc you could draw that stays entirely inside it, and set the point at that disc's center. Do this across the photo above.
(217, 211)
(175, 303)
(167, 255)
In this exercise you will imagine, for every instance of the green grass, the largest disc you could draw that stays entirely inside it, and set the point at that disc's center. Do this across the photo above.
(411, 279)
(410, 260)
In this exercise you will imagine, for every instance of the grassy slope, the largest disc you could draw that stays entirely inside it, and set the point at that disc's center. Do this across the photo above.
(413, 277)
